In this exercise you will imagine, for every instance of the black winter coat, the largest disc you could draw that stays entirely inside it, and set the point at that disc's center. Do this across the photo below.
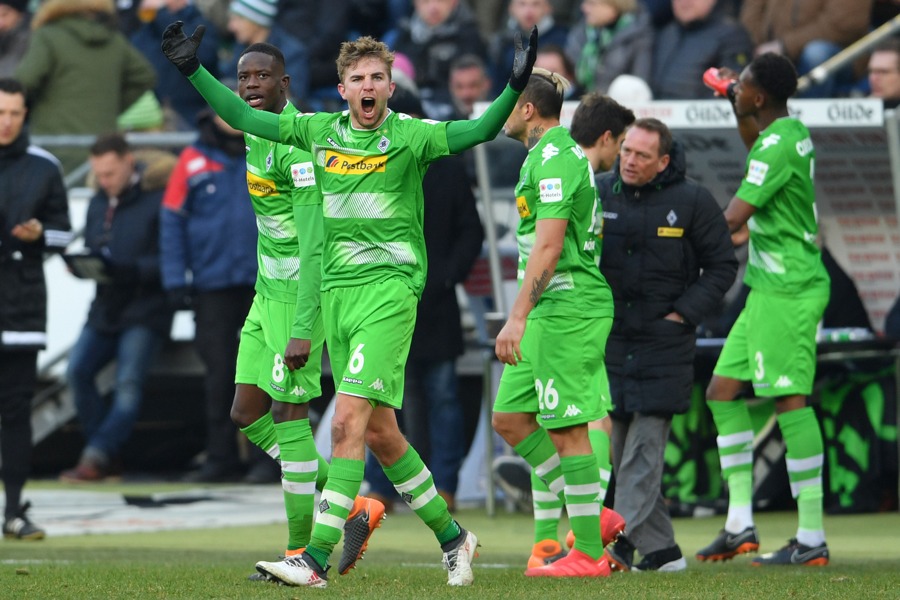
(31, 186)
(453, 239)
(666, 247)
(128, 237)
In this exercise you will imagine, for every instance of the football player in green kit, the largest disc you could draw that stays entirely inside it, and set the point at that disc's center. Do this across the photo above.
(279, 362)
(773, 342)
(554, 342)
(368, 163)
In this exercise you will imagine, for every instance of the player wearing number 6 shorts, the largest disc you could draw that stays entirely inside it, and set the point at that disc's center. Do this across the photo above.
(554, 342)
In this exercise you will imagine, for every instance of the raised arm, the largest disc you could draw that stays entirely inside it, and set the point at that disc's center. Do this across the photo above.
(462, 135)
(182, 52)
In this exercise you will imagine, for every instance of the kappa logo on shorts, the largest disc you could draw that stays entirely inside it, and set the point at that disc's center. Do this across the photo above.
(352, 380)
(783, 382)
(571, 411)
(277, 388)
(377, 385)
(298, 391)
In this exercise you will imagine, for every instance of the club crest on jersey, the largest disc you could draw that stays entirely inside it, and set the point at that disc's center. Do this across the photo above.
(551, 190)
(383, 144)
(302, 174)
(270, 159)
(349, 164)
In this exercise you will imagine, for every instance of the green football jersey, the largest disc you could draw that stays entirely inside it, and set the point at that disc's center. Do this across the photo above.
(371, 185)
(279, 177)
(557, 182)
(783, 255)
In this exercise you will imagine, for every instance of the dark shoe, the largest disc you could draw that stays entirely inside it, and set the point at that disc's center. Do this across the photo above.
(364, 518)
(21, 528)
(668, 560)
(728, 545)
(620, 555)
(264, 471)
(795, 553)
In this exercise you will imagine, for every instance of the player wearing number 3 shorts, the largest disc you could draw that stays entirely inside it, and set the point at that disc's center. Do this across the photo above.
(773, 342)
(554, 341)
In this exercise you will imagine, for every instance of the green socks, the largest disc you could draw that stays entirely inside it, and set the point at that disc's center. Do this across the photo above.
(805, 457)
(299, 467)
(344, 479)
(735, 441)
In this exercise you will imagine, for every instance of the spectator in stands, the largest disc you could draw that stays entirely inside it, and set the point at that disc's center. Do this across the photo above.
(129, 319)
(453, 239)
(256, 21)
(15, 32)
(523, 15)
(322, 26)
(177, 96)
(668, 257)
(884, 72)
(615, 37)
(80, 72)
(809, 33)
(470, 82)
(701, 36)
(436, 33)
(34, 220)
(208, 262)
(553, 58)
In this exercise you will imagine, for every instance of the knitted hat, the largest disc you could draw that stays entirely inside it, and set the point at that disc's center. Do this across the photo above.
(19, 5)
(261, 12)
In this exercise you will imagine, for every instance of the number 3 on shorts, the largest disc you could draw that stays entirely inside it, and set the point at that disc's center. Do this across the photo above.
(548, 398)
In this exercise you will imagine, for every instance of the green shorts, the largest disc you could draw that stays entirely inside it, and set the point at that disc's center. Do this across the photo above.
(260, 361)
(561, 377)
(369, 329)
(773, 344)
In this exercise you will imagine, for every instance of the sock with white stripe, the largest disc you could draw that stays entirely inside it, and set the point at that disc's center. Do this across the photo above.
(414, 483)
(299, 467)
(600, 446)
(735, 442)
(262, 433)
(344, 479)
(547, 510)
(805, 456)
(539, 452)
(582, 479)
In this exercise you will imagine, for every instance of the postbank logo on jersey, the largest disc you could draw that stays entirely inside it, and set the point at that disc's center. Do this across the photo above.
(302, 174)
(260, 186)
(348, 164)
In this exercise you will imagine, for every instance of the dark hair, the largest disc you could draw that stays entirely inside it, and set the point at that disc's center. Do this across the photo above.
(110, 142)
(661, 129)
(597, 114)
(545, 91)
(264, 48)
(8, 85)
(775, 74)
(891, 44)
(556, 49)
(468, 61)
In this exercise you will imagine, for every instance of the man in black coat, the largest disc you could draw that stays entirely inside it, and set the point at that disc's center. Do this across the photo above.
(669, 260)
(34, 220)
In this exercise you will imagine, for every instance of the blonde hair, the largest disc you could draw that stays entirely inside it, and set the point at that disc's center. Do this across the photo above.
(562, 84)
(364, 47)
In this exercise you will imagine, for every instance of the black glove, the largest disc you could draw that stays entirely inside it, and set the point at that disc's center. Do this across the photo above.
(523, 61)
(182, 50)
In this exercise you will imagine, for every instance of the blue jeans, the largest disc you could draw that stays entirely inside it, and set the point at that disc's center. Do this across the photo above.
(107, 428)
(815, 53)
(437, 409)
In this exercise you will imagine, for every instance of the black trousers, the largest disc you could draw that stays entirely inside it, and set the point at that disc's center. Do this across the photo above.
(219, 316)
(18, 379)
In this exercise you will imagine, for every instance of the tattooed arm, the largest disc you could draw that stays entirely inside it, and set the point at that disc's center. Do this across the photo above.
(548, 244)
